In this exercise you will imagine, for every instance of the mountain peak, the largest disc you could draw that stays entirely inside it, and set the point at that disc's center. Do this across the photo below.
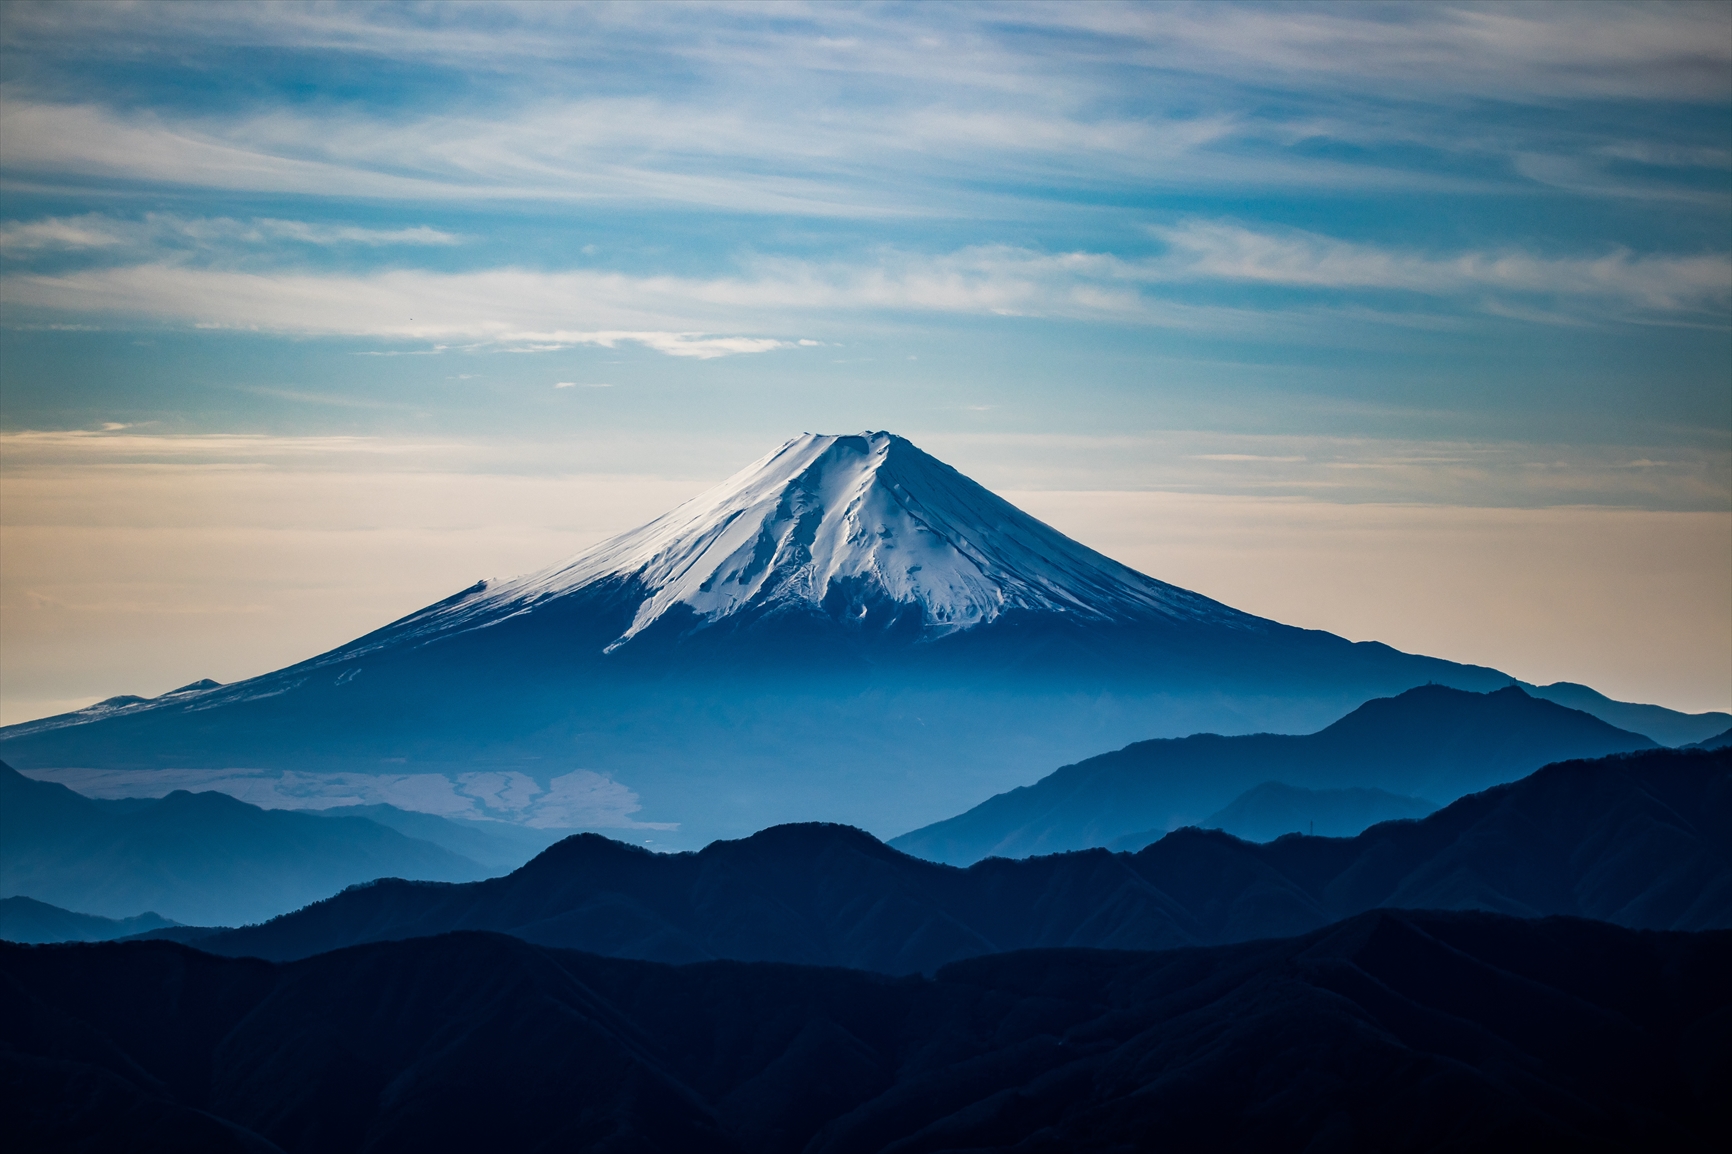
(866, 530)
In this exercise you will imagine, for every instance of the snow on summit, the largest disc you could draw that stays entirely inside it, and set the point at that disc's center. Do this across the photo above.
(860, 528)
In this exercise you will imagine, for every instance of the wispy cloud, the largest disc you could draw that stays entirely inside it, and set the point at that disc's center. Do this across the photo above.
(1663, 283)
(266, 229)
(701, 346)
(1541, 52)
(1591, 175)
(120, 444)
(874, 112)
(762, 156)
(712, 317)
(155, 231)
(85, 232)
(532, 312)
(688, 317)
(1651, 51)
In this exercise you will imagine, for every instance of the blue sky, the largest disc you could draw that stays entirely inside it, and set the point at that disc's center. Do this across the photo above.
(1430, 256)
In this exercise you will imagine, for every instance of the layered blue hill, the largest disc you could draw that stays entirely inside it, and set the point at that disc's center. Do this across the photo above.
(1666, 726)
(1718, 741)
(202, 859)
(1390, 1031)
(1642, 840)
(1267, 811)
(28, 920)
(1430, 742)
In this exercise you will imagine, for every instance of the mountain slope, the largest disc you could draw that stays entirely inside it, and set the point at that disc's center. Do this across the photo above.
(1643, 840)
(28, 920)
(1718, 741)
(1428, 742)
(847, 630)
(1392, 1031)
(1667, 726)
(203, 859)
(496, 846)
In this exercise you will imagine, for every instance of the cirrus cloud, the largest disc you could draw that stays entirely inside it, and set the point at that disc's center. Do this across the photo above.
(709, 317)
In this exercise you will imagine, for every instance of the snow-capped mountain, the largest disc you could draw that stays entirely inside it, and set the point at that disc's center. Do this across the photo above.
(847, 629)
(867, 531)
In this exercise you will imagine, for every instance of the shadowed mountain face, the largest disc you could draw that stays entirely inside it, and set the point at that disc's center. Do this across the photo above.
(203, 858)
(1391, 1031)
(1643, 841)
(848, 630)
(1430, 742)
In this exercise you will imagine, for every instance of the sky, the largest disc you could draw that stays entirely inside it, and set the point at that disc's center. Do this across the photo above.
(1411, 322)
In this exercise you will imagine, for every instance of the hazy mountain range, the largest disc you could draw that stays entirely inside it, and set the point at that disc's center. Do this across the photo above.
(1642, 840)
(204, 859)
(1718, 741)
(1431, 742)
(1266, 812)
(1667, 726)
(210, 859)
(847, 629)
(28, 920)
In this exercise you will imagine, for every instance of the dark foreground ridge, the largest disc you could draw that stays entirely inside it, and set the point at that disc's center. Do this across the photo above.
(1641, 840)
(1390, 1031)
